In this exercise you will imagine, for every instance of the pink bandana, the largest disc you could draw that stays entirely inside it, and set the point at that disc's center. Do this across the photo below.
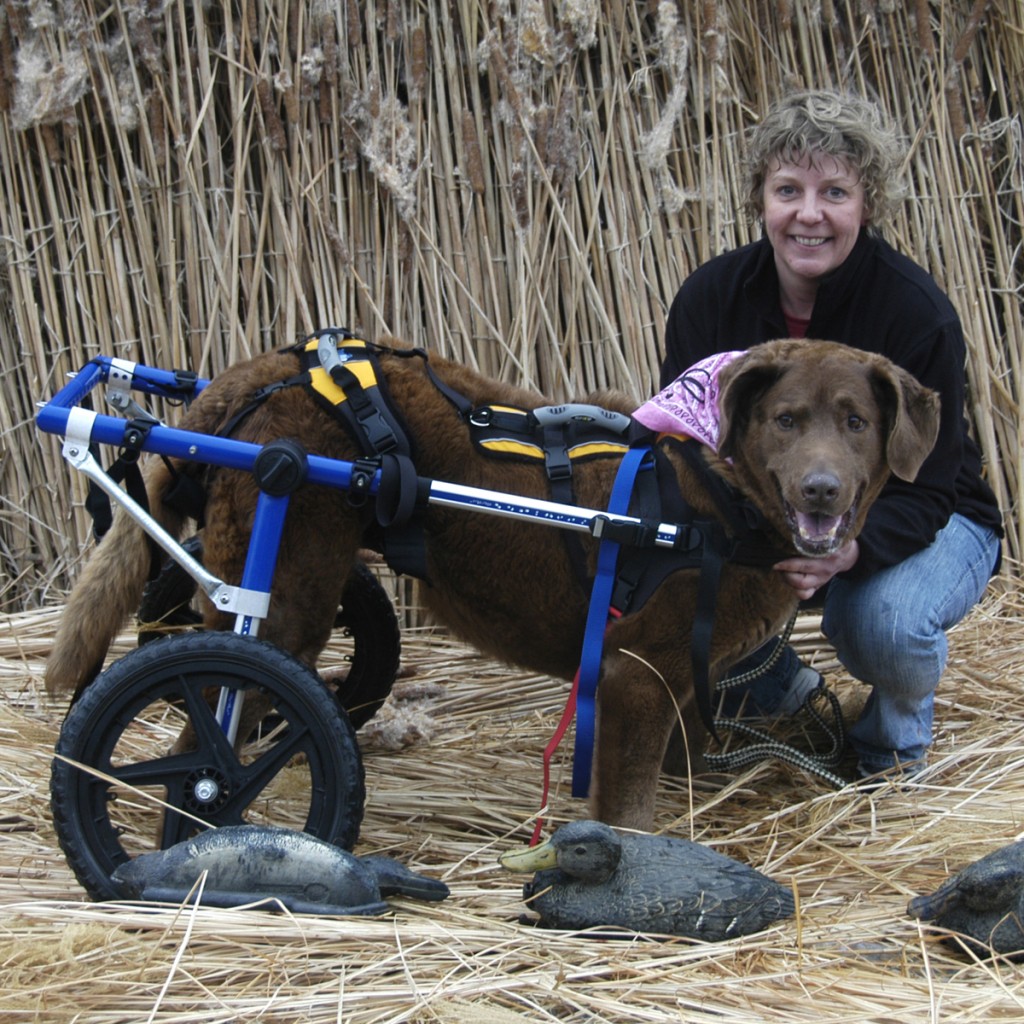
(689, 405)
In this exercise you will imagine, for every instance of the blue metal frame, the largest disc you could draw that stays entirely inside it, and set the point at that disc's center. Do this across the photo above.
(56, 417)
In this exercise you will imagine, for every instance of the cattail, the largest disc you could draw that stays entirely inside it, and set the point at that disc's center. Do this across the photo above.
(143, 43)
(327, 88)
(7, 65)
(271, 119)
(329, 45)
(289, 91)
(520, 200)
(337, 243)
(923, 18)
(418, 61)
(392, 21)
(474, 163)
(353, 23)
(157, 126)
(251, 19)
(292, 14)
(51, 143)
(955, 105)
(974, 20)
(712, 37)
(541, 131)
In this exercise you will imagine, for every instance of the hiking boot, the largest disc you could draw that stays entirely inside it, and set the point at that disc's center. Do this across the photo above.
(779, 691)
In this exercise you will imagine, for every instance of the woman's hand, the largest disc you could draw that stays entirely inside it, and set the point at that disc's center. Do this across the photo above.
(807, 575)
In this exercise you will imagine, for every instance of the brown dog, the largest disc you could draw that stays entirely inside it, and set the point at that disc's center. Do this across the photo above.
(809, 431)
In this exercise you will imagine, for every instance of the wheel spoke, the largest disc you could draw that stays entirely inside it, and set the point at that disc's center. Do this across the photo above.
(176, 827)
(209, 734)
(163, 771)
(254, 778)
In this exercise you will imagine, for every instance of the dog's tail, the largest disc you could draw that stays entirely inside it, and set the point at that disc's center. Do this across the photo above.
(108, 591)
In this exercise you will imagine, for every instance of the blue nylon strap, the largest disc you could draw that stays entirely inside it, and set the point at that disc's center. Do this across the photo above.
(597, 622)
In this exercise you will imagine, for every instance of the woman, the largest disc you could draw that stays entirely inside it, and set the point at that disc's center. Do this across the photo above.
(821, 178)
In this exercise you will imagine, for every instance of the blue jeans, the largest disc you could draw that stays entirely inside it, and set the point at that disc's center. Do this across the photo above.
(890, 632)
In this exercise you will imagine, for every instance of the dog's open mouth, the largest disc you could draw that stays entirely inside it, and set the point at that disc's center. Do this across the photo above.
(816, 535)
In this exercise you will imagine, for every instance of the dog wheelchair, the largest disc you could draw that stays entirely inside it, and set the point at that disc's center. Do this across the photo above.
(146, 756)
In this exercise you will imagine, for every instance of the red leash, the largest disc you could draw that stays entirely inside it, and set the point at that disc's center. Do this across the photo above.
(549, 750)
(559, 734)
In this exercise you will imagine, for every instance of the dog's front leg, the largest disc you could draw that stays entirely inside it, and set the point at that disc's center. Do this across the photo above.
(636, 714)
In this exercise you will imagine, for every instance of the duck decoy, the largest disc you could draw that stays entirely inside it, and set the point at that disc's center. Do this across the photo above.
(249, 863)
(983, 904)
(589, 876)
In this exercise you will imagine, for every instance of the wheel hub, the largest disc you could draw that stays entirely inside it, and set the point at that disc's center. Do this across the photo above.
(206, 790)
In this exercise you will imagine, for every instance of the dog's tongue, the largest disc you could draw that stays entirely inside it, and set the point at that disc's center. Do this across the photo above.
(817, 528)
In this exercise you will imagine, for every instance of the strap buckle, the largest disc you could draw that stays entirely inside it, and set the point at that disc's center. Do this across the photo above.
(360, 484)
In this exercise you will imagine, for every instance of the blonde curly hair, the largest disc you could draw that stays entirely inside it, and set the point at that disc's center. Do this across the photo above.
(842, 125)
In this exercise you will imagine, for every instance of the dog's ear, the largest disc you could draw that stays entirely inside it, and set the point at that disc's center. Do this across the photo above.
(740, 384)
(913, 412)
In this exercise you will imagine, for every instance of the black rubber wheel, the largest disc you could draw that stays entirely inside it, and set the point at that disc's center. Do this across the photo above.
(120, 788)
(366, 616)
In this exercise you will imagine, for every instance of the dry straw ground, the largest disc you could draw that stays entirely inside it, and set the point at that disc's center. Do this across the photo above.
(463, 789)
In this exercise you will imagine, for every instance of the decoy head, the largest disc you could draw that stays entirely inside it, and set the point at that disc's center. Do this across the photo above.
(585, 850)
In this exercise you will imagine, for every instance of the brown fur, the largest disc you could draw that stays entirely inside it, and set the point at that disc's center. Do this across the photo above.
(508, 587)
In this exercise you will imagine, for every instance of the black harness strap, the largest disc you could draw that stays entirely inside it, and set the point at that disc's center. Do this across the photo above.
(636, 560)
(559, 436)
(124, 469)
(703, 543)
(258, 397)
(364, 406)
(398, 494)
(461, 404)
(371, 419)
(750, 541)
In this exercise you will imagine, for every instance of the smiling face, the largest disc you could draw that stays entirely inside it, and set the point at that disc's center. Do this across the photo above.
(814, 209)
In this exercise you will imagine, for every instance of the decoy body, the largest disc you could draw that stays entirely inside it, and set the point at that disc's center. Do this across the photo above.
(588, 875)
(248, 863)
(983, 904)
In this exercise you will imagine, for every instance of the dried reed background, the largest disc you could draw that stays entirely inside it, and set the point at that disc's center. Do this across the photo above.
(522, 185)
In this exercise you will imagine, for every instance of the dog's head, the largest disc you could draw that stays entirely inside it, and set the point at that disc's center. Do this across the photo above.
(814, 429)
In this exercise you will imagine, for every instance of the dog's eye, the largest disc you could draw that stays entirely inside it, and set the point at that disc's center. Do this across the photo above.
(785, 421)
(856, 423)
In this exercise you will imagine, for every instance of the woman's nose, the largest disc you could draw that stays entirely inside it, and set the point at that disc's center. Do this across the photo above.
(810, 208)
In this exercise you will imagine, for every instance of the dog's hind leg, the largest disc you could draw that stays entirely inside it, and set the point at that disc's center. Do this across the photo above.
(316, 555)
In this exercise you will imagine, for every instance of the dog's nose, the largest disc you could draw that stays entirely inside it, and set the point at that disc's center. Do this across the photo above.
(820, 490)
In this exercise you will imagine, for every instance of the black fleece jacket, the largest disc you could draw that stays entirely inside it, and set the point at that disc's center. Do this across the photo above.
(877, 300)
